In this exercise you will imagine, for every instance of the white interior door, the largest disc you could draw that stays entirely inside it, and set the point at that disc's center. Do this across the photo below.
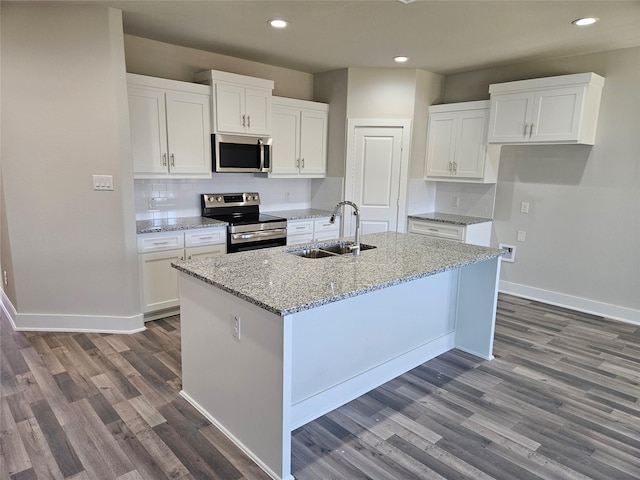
(376, 178)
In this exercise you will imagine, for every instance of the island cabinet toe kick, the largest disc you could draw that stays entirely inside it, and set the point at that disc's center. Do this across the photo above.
(258, 375)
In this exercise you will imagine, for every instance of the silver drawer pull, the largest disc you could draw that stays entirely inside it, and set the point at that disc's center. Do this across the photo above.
(205, 238)
(434, 230)
(161, 243)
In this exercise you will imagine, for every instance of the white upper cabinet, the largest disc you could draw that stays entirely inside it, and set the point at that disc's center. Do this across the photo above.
(170, 128)
(240, 104)
(551, 110)
(456, 144)
(299, 138)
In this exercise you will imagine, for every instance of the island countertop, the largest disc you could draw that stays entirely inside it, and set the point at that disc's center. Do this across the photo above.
(282, 283)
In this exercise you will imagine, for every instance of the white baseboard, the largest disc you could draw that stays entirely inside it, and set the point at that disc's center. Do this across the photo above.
(42, 322)
(593, 307)
(233, 438)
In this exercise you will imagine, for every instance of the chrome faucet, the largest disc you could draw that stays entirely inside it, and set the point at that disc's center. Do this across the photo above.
(355, 248)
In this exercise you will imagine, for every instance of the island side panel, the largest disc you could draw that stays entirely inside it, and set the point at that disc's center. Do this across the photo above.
(344, 349)
(243, 387)
(477, 303)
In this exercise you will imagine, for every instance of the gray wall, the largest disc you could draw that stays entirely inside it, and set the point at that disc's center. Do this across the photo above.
(67, 249)
(158, 59)
(583, 229)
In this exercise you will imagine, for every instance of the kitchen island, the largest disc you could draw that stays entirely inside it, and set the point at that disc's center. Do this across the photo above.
(272, 340)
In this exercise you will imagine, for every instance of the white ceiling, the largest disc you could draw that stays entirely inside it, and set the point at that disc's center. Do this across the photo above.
(445, 37)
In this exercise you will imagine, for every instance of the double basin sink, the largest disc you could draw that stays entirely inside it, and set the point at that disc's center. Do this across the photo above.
(334, 250)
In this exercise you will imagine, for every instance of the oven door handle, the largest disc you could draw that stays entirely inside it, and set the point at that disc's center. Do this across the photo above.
(262, 235)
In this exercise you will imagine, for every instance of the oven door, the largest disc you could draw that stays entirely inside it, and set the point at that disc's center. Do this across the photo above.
(239, 153)
(240, 242)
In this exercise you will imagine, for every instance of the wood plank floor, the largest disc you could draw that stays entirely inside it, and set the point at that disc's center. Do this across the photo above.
(559, 401)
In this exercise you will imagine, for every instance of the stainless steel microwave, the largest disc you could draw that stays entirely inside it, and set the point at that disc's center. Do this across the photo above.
(240, 153)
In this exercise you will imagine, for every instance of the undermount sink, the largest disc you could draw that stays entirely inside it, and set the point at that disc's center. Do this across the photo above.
(328, 251)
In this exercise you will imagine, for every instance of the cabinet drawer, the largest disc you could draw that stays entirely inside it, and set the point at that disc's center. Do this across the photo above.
(300, 226)
(323, 225)
(157, 242)
(206, 251)
(205, 236)
(298, 239)
(436, 229)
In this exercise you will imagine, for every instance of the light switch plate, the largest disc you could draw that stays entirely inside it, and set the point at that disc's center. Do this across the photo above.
(103, 182)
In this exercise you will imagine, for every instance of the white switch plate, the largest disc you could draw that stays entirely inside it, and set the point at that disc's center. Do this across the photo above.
(524, 207)
(103, 182)
(235, 327)
(455, 202)
(521, 235)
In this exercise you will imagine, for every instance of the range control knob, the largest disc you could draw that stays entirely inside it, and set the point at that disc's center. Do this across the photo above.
(219, 199)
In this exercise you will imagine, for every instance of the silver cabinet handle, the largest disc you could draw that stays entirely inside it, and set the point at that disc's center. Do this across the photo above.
(244, 120)
(298, 163)
(173, 160)
(455, 168)
(530, 130)
(248, 121)
(161, 243)
(164, 159)
(303, 163)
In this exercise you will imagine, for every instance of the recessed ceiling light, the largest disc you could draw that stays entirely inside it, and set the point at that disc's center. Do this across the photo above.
(401, 59)
(583, 22)
(278, 23)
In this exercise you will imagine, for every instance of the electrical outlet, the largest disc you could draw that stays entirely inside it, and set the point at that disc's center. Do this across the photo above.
(235, 327)
(524, 207)
(511, 252)
(455, 202)
(521, 235)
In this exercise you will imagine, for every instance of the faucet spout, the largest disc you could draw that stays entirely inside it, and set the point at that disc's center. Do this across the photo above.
(355, 249)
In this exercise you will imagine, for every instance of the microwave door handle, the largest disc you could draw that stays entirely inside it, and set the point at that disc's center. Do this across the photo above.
(261, 147)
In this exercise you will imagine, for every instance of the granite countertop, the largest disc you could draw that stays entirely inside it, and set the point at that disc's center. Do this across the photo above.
(173, 224)
(300, 214)
(449, 218)
(283, 283)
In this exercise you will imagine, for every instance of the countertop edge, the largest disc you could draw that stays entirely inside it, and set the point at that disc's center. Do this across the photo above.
(336, 298)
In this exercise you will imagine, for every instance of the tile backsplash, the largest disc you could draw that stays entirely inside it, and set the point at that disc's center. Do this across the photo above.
(476, 200)
(173, 198)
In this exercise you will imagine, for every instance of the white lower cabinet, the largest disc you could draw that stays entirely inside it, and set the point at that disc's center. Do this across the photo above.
(310, 230)
(476, 234)
(159, 280)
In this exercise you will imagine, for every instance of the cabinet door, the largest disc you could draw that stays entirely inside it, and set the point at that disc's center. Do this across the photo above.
(510, 117)
(160, 279)
(286, 141)
(148, 124)
(230, 109)
(258, 110)
(188, 133)
(470, 144)
(440, 144)
(557, 114)
(313, 143)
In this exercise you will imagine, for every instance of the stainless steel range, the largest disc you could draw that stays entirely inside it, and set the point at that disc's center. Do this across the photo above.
(248, 228)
